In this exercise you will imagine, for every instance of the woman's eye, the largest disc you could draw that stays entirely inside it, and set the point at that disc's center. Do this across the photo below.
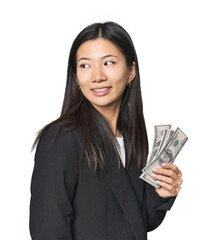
(83, 65)
(111, 62)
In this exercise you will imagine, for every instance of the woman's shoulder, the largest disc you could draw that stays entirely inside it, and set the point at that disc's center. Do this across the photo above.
(53, 159)
(55, 138)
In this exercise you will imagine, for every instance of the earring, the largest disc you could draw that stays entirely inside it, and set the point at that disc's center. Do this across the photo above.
(129, 84)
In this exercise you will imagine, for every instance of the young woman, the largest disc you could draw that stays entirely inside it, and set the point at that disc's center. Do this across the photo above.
(85, 183)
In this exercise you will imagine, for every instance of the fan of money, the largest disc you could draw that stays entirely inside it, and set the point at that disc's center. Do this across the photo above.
(167, 145)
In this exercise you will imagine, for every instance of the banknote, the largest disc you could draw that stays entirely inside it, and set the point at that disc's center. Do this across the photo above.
(165, 138)
(161, 135)
(159, 131)
(169, 152)
(149, 179)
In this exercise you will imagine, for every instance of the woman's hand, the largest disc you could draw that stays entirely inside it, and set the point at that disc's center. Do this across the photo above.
(169, 177)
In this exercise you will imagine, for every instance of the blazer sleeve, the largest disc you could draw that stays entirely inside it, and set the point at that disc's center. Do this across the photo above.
(156, 207)
(51, 211)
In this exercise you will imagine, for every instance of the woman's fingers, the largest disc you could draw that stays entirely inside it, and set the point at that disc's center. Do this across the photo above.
(169, 177)
(169, 170)
(173, 191)
(166, 172)
(173, 168)
(165, 179)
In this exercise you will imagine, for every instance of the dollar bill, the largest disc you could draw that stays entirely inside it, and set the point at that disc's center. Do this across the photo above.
(158, 137)
(150, 180)
(165, 138)
(169, 152)
(161, 134)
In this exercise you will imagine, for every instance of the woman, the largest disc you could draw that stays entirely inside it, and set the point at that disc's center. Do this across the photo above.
(85, 183)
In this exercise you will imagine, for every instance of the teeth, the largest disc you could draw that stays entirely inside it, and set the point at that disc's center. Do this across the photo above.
(100, 90)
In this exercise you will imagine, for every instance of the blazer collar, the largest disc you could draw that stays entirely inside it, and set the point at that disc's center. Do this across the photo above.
(120, 183)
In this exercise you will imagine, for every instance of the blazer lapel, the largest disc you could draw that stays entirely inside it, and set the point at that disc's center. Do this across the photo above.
(126, 196)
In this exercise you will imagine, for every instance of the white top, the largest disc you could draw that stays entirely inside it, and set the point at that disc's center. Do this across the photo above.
(122, 149)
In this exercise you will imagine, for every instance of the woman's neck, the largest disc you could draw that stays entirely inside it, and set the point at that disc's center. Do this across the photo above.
(111, 115)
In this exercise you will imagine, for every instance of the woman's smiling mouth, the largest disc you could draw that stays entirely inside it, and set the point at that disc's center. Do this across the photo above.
(101, 91)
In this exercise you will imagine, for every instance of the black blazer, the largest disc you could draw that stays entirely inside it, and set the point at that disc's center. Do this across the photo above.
(69, 201)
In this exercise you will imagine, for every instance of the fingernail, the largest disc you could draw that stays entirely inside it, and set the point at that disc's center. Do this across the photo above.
(154, 170)
(157, 181)
(154, 175)
(163, 164)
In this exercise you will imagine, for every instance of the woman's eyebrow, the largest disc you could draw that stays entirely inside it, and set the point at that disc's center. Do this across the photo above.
(109, 55)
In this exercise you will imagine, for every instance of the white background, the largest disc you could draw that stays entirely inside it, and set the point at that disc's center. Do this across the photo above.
(171, 43)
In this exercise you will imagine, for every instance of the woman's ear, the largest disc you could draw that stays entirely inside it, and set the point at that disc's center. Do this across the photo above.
(132, 72)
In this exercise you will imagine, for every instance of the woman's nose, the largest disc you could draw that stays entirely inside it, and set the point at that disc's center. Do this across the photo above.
(98, 74)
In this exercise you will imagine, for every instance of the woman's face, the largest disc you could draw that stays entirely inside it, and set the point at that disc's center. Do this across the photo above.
(102, 73)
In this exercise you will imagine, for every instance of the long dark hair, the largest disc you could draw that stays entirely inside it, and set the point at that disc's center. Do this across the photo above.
(77, 111)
